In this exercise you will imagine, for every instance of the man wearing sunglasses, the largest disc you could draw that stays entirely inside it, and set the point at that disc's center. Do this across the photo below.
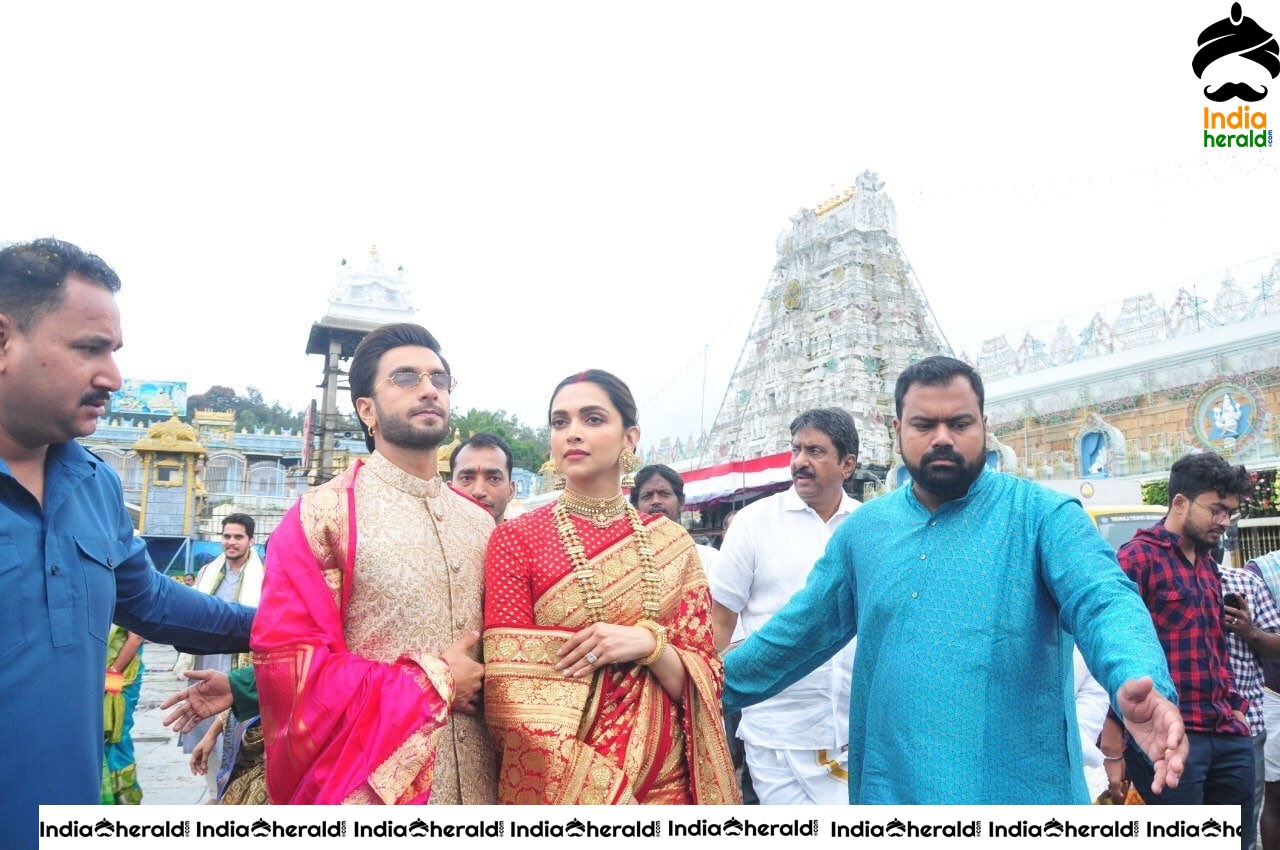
(365, 643)
(1180, 582)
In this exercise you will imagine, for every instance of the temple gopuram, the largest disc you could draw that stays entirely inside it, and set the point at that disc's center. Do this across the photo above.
(841, 316)
(1096, 409)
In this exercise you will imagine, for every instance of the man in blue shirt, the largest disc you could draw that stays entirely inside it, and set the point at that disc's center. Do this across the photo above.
(965, 590)
(70, 564)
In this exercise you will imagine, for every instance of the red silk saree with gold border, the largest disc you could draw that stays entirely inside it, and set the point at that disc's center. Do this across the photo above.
(615, 736)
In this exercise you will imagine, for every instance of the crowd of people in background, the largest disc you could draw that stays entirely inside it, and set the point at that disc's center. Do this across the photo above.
(967, 638)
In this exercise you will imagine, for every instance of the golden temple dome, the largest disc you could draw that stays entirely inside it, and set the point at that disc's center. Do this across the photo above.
(172, 435)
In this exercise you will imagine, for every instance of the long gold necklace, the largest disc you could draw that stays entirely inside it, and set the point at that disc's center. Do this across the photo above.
(585, 575)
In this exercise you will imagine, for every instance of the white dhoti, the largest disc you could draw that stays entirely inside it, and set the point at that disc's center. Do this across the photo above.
(799, 777)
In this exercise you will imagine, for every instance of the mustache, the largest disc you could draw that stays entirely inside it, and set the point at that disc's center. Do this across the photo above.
(95, 399)
(802, 473)
(942, 454)
(426, 408)
(1244, 91)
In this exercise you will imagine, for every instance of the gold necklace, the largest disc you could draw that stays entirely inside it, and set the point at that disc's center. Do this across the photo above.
(585, 575)
(601, 512)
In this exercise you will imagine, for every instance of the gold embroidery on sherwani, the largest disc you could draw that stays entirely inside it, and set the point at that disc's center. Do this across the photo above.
(325, 521)
(417, 588)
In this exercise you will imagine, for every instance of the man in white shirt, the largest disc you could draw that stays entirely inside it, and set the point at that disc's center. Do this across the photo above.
(796, 742)
(1092, 703)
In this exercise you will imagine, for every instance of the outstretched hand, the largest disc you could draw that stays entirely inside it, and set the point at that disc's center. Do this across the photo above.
(208, 695)
(1156, 726)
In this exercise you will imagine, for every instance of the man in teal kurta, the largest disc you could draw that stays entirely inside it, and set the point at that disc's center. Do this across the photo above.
(965, 590)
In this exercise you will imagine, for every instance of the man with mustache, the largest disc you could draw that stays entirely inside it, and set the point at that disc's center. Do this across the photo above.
(1182, 586)
(965, 590)
(365, 645)
(796, 742)
(70, 563)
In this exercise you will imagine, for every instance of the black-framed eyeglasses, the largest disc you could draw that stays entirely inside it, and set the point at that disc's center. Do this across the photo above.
(1219, 514)
(408, 379)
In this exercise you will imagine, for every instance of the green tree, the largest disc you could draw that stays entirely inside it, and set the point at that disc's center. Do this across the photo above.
(216, 397)
(530, 447)
(251, 409)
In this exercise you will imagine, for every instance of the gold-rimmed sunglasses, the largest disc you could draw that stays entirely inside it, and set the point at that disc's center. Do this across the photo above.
(407, 379)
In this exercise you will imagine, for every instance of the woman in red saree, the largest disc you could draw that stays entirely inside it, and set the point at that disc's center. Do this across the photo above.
(602, 684)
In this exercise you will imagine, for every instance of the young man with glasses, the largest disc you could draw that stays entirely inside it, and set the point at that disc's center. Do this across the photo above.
(365, 643)
(1182, 586)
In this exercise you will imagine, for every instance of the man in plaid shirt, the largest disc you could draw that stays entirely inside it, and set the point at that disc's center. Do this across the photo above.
(1267, 567)
(1180, 583)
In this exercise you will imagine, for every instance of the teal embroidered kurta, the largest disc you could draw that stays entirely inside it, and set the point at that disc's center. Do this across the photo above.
(962, 685)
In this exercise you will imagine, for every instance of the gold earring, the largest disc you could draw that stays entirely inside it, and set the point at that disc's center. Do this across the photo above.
(373, 429)
(559, 482)
(630, 463)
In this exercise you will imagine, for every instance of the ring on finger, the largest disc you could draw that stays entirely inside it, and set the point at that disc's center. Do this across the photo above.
(592, 658)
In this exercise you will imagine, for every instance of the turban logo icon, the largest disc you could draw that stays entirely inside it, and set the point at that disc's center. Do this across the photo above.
(1242, 37)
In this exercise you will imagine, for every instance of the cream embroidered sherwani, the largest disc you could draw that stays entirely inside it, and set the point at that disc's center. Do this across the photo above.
(418, 587)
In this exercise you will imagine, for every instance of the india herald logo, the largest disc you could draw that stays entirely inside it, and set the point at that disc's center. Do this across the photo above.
(1223, 46)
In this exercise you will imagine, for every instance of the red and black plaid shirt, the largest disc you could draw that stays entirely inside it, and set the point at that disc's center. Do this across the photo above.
(1185, 601)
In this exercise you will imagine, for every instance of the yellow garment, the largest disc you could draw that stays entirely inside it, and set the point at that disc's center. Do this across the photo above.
(113, 715)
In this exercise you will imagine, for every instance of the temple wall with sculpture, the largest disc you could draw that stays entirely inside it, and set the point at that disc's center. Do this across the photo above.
(1144, 432)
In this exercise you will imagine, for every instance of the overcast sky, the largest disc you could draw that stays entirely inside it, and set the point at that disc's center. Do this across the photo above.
(573, 185)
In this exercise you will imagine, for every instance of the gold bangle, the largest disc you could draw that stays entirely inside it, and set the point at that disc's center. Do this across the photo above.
(660, 640)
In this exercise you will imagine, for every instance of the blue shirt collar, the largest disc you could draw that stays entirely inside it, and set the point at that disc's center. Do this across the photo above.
(65, 466)
(69, 454)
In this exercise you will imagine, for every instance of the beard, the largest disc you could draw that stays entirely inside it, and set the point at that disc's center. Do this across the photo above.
(406, 434)
(1200, 535)
(948, 482)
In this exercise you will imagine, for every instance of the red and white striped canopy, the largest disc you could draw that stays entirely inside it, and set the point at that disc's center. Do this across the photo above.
(735, 479)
